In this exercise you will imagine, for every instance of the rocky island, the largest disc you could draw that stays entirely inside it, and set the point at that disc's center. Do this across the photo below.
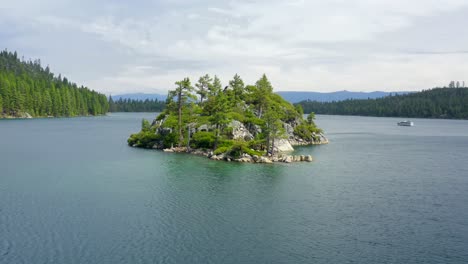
(244, 123)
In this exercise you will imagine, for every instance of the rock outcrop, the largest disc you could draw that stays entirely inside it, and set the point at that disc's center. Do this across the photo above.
(239, 131)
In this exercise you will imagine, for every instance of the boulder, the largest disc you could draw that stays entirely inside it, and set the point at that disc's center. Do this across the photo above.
(255, 158)
(283, 145)
(244, 159)
(264, 160)
(203, 128)
(239, 131)
(287, 159)
(289, 129)
(217, 157)
(308, 158)
(164, 130)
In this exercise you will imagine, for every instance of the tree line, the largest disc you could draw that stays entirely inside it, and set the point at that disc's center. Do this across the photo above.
(446, 102)
(132, 105)
(27, 87)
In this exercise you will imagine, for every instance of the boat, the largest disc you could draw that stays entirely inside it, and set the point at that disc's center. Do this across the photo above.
(405, 123)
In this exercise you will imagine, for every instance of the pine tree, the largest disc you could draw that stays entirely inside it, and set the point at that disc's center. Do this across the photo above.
(182, 93)
(202, 86)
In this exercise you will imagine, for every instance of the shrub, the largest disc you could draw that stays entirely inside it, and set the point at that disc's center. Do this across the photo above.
(221, 150)
(225, 143)
(305, 131)
(170, 140)
(144, 139)
(203, 139)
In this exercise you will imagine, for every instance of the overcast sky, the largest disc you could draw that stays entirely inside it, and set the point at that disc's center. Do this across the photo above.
(124, 46)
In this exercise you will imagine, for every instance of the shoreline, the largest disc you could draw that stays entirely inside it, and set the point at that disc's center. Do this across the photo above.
(5, 117)
(282, 157)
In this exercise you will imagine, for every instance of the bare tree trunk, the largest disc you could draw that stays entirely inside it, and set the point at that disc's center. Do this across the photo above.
(268, 144)
(181, 137)
(273, 144)
(217, 137)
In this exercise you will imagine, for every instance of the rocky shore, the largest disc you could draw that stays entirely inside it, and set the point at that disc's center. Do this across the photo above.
(238, 131)
(244, 158)
(21, 115)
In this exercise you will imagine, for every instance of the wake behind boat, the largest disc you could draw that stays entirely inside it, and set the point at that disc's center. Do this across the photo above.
(405, 123)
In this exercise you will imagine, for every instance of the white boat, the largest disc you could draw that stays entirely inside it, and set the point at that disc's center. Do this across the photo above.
(405, 123)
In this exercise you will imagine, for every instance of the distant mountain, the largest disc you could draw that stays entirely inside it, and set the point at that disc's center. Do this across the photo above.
(140, 96)
(295, 97)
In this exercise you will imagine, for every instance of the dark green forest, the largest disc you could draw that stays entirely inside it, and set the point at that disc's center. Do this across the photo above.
(27, 87)
(451, 103)
(129, 105)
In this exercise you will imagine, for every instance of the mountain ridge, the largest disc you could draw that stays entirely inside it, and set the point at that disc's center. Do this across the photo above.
(291, 96)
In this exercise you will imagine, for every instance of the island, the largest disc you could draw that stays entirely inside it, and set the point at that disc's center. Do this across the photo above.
(243, 123)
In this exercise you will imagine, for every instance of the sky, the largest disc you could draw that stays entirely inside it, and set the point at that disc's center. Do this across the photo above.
(124, 46)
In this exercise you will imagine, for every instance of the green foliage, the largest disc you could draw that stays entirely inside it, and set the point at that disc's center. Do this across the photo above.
(143, 139)
(203, 86)
(237, 86)
(237, 149)
(170, 140)
(221, 150)
(226, 143)
(311, 118)
(26, 86)
(306, 131)
(145, 125)
(257, 107)
(253, 152)
(241, 147)
(161, 116)
(236, 116)
(203, 140)
(299, 109)
(434, 103)
(127, 105)
(182, 93)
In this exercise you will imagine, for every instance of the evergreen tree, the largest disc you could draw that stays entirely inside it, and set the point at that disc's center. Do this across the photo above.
(238, 87)
(202, 86)
(182, 93)
(25, 86)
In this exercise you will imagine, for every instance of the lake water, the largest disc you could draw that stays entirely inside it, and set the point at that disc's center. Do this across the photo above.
(72, 191)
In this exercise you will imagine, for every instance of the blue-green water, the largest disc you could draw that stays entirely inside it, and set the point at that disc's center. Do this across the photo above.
(71, 191)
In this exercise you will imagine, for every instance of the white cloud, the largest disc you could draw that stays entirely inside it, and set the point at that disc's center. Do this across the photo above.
(319, 45)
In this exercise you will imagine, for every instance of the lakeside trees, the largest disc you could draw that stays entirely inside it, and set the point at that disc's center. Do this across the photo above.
(132, 105)
(435, 103)
(213, 119)
(27, 87)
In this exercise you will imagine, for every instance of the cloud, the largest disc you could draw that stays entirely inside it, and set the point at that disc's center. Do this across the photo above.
(319, 45)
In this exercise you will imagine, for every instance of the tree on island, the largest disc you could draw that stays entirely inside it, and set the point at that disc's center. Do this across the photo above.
(239, 119)
(182, 93)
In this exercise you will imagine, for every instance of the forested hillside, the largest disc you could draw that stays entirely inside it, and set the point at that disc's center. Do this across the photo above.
(28, 88)
(130, 105)
(434, 103)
